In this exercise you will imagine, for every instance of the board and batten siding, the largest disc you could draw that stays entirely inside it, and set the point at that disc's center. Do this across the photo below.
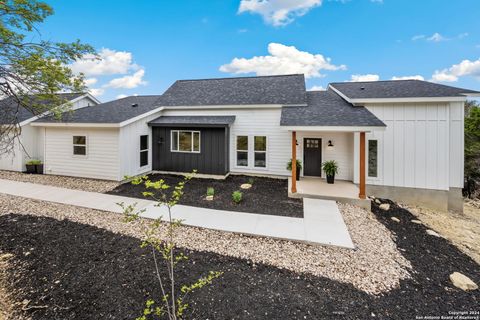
(342, 151)
(102, 159)
(416, 148)
(251, 122)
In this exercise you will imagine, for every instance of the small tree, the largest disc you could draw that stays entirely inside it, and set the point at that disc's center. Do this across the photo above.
(172, 303)
(472, 147)
(32, 70)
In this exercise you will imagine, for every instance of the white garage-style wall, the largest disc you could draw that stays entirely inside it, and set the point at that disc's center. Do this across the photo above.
(102, 159)
(422, 146)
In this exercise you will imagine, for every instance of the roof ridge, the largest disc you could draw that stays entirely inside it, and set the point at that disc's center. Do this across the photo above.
(402, 80)
(245, 77)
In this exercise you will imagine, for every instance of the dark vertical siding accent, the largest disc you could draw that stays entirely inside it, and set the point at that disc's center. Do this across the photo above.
(212, 159)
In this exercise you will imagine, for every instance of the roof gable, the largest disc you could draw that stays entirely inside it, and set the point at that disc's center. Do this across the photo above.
(282, 90)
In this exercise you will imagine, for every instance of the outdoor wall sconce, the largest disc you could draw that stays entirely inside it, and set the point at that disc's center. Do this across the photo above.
(330, 145)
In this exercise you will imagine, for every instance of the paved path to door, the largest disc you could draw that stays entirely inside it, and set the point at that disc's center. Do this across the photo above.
(322, 222)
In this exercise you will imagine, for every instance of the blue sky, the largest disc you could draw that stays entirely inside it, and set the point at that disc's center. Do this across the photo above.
(148, 44)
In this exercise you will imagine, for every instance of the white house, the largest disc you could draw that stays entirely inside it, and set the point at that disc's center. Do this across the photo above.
(397, 139)
(30, 144)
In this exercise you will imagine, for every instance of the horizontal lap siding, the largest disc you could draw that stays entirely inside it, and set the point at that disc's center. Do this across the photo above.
(251, 122)
(414, 148)
(101, 162)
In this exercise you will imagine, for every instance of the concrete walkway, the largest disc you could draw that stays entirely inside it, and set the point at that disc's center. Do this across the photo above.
(322, 222)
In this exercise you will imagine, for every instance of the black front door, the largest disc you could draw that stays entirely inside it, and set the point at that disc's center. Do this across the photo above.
(312, 157)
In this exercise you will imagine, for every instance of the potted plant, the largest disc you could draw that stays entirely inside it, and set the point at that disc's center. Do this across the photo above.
(39, 167)
(32, 165)
(299, 167)
(330, 168)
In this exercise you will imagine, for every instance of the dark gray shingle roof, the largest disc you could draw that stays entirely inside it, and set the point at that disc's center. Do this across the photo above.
(193, 120)
(115, 111)
(284, 90)
(11, 110)
(326, 108)
(398, 89)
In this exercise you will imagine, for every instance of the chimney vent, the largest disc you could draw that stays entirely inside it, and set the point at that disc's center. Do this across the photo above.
(134, 105)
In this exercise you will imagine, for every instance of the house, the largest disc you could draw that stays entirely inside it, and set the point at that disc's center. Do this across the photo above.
(30, 143)
(397, 139)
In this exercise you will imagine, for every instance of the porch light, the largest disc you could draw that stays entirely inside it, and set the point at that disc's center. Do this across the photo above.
(330, 145)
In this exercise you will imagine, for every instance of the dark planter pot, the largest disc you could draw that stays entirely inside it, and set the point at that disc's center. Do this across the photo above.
(298, 174)
(330, 179)
(31, 168)
(39, 168)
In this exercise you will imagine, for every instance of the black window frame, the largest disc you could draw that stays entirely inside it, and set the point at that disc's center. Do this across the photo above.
(144, 149)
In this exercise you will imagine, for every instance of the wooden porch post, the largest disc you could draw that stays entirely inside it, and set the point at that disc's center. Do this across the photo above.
(362, 194)
(294, 161)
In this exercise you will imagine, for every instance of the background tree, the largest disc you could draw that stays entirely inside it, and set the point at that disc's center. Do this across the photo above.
(32, 70)
(472, 148)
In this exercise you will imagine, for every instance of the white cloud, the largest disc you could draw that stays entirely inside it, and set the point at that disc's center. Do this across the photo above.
(463, 35)
(317, 88)
(278, 12)
(436, 37)
(96, 92)
(282, 60)
(377, 1)
(107, 62)
(128, 82)
(364, 77)
(464, 68)
(417, 77)
(90, 81)
(121, 96)
(418, 37)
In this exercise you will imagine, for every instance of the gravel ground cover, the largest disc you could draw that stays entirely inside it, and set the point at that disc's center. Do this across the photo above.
(82, 271)
(92, 185)
(266, 196)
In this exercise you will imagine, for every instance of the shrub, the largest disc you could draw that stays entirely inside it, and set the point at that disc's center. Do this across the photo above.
(237, 196)
(250, 181)
(210, 191)
(34, 162)
(330, 167)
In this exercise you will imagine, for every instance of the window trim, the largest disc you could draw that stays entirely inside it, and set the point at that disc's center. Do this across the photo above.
(80, 145)
(251, 152)
(266, 152)
(242, 150)
(368, 160)
(192, 132)
(144, 150)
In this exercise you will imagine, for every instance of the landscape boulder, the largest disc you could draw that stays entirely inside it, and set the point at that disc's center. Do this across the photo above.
(463, 282)
(385, 206)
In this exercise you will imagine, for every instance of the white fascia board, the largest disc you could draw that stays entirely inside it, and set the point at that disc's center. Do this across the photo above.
(361, 102)
(143, 115)
(332, 128)
(244, 106)
(75, 125)
(91, 97)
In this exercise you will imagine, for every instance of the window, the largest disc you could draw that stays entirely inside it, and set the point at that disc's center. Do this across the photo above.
(143, 151)
(260, 146)
(185, 141)
(80, 145)
(242, 151)
(372, 158)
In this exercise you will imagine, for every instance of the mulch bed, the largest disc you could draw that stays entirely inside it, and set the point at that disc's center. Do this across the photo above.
(266, 196)
(78, 271)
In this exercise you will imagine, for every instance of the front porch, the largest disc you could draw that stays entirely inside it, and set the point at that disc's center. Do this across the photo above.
(341, 191)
